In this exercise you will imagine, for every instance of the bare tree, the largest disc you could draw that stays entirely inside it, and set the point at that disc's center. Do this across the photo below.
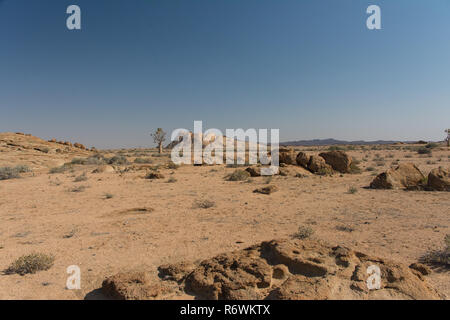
(448, 137)
(158, 137)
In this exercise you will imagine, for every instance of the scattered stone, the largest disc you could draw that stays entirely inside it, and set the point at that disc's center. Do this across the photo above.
(254, 171)
(154, 175)
(266, 190)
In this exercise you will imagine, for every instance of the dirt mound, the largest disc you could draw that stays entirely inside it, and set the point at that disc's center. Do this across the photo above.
(405, 176)
(280, 269)
(439, 179)
(338, 160)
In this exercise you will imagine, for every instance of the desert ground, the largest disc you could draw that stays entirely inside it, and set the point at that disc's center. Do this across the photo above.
(109, 218)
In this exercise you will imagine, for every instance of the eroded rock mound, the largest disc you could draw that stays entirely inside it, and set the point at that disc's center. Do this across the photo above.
(319, 166)
(302, 159)
(287, 156)
(439, 179)
(281, 269)
(338, 160)
(405, 176)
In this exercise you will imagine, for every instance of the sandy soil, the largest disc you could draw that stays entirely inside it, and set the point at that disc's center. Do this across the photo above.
(40, 213)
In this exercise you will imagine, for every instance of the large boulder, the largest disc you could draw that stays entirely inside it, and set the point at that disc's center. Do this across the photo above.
(338, 160)
(302, 159)
(281, 269)
(287, 156)
(439, 179)
(319, 166)
(405, 176)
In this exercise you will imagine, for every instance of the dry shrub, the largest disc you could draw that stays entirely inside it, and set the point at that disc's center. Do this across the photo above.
(31, 263)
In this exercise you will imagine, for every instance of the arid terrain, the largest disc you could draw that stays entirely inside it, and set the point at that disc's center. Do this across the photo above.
(107, 216)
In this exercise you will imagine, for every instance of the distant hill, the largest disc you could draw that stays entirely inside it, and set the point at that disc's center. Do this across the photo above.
(331, 142)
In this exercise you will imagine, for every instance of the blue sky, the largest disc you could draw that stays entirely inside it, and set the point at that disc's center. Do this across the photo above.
(310, 68)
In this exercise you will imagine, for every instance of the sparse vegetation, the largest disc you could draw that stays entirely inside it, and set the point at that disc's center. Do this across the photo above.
(354, 169)
(352, 190)
(31, 263)
(117, 160)
(439, 257)
(65, 167)
(77, 189)
(171, 180)
(345, 228)
(204, 204)
(303, 232)
(238, 175)
(82, 177)
(143, 160)
(424, 151)
(172, 165)
(7, 173)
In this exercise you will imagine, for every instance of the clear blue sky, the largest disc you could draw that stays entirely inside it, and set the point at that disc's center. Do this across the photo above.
(310, 68)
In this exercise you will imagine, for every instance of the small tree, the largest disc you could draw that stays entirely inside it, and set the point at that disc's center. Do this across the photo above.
(158, 137)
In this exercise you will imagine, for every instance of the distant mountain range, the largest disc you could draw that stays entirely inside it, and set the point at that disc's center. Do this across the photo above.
(330, 142)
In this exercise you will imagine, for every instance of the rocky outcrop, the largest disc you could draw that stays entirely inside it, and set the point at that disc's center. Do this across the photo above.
(286, 156)
(281, 269)
(439, 179)
(132, 286)
(338, 160)
(405, 176)
(302, 159)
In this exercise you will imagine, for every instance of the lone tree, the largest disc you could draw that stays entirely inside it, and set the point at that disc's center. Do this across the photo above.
(158, 137)
(448, 137)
